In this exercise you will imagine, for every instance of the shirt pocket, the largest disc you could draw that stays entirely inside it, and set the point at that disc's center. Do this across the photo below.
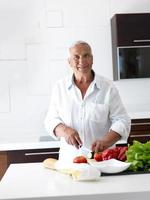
(98, 112)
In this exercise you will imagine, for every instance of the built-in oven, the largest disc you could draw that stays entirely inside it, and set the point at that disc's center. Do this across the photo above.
(133, 62)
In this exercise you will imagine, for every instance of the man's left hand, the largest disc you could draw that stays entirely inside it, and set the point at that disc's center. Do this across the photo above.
(99, 145)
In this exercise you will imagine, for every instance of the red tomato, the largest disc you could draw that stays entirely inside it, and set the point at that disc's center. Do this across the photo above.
(115, 152)
(122, 153)
(80, 159)
(107, 154)
(98, 156)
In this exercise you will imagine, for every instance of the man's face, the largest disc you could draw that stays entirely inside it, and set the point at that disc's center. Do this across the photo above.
(81, 59)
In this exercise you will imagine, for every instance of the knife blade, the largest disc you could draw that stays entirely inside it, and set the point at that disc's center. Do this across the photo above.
(86, 152)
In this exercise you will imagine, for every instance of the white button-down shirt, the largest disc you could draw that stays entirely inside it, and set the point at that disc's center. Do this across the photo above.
(93, 116)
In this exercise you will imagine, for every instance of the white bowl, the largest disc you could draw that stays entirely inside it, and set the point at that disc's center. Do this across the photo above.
(110, 166)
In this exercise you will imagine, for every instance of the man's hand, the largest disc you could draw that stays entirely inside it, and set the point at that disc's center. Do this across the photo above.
(108, 140)
(71, 135)
(99, 145)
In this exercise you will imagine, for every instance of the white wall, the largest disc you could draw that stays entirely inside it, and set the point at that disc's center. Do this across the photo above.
(34, 38)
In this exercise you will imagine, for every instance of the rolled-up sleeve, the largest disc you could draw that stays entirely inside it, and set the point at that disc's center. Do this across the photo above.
(120, 120)
(52, 118)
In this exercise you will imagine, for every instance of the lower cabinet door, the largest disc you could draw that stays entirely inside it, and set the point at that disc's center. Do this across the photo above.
(3, 163)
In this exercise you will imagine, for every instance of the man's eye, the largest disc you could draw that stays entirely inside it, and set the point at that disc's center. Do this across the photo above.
(86, 55)
(76, 57)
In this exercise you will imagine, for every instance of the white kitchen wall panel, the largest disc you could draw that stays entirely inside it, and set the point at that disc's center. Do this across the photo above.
(58, 69)
(12, 50)
(18, 21)
(54, 19)
(37, 69)
(57, 51)
(26, 113)
(129, 6)
(93, 14)
(4, 97)
(82, 12)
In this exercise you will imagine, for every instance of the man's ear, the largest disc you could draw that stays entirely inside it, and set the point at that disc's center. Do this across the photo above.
(92, 59)
(69, 61)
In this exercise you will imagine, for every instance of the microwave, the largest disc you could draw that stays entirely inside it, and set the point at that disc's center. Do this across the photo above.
(133, 62)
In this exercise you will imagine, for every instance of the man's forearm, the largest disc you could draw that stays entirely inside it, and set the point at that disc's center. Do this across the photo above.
(60, 129)
(71, 135)
(111, 137)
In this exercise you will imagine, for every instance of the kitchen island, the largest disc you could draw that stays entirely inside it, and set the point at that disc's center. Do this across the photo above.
(33, 181)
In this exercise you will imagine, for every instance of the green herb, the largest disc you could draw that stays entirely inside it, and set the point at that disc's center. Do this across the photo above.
(138, 155)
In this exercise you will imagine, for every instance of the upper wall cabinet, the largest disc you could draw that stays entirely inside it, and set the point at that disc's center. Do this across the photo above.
(131, 45)
(131, 29)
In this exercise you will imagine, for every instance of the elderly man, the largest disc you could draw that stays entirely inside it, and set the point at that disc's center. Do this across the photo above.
(85, 108)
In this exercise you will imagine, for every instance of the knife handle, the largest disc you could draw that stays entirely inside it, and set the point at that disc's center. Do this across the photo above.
(90, 155)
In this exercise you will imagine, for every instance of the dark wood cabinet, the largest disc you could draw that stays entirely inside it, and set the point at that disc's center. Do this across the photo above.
(140, 130)
(24, 156)
(131, 29)
(3, 163)
(130, 45)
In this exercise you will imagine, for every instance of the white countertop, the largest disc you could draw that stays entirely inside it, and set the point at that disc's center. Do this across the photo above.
(10, 146)
(33, 181)
(29, 145)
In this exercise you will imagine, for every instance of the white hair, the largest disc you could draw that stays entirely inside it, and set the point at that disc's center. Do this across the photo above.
(79, 42)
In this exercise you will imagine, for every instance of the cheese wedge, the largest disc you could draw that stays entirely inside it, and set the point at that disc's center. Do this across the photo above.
(50, 163)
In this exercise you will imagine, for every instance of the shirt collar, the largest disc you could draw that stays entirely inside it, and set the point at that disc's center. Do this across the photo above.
(70, 81)
(96, 81)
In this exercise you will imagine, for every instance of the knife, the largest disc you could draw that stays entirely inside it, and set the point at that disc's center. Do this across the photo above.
(86, 152)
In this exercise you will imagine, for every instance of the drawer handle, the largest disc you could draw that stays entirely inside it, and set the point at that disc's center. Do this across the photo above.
(148, 40)
(140, 123)
(143, 135)
(40, 153)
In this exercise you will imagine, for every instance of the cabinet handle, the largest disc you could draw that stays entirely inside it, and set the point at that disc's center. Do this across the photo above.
(40, 153)
(147, 40)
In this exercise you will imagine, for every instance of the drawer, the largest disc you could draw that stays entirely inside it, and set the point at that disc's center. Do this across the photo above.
(38, 155)
(139, 137)
(140, 130)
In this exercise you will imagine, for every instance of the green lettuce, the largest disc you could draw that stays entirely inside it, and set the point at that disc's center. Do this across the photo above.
(138, 155)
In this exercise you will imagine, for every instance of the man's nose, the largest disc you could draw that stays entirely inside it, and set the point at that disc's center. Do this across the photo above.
(81, 59)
